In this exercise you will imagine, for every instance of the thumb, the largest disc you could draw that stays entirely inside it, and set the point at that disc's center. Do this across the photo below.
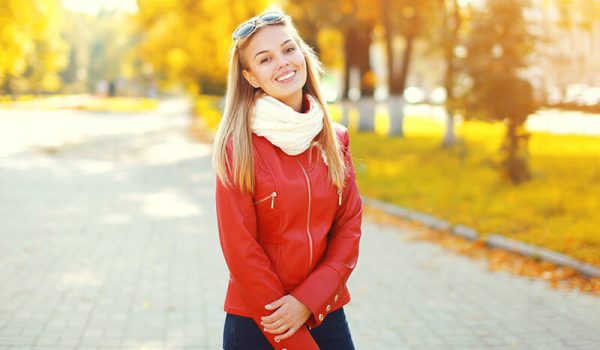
(274, 305)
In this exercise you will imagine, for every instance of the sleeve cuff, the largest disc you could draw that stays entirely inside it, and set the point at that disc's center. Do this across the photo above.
(319, 299)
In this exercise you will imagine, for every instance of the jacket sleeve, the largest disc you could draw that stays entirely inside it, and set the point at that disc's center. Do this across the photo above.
(248, 264)
(321, 288)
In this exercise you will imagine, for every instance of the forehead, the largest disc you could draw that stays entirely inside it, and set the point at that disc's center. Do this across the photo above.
(269, 37)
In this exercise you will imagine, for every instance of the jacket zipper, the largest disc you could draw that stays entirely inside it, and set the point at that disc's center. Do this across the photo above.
(272, 196)
(340, 197)
(308, 216)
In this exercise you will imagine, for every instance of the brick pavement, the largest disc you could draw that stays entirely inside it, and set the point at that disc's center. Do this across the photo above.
(109, 242)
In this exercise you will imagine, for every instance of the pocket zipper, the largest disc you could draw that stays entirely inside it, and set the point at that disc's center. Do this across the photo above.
(272, 196)
(340, 198)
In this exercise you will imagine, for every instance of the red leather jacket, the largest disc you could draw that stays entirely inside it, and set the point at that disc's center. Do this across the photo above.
(297, 235)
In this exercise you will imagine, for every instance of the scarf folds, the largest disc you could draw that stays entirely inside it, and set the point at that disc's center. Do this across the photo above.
(285, 128)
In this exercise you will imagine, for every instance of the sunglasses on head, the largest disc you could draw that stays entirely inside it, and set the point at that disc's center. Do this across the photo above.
(251, 25)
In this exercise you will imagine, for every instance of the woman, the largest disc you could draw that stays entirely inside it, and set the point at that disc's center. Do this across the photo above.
(288, 209)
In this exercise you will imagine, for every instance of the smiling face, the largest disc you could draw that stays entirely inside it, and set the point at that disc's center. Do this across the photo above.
(274, 63)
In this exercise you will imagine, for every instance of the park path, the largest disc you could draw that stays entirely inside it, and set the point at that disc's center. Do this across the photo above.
(109, 241)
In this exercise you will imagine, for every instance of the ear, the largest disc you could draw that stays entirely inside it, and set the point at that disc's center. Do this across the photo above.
(250, 78)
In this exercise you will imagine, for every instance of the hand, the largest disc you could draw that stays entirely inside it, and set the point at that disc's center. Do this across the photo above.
(290, 316)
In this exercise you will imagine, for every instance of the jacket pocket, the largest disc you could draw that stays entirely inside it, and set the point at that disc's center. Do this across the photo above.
(267, 208)
(271, 198)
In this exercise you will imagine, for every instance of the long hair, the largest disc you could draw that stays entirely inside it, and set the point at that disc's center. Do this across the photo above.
(235, 131)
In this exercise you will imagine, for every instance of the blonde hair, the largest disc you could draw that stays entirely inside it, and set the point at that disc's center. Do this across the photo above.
(235, 126)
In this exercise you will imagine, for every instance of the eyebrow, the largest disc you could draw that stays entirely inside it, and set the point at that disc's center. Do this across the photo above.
(263, 51)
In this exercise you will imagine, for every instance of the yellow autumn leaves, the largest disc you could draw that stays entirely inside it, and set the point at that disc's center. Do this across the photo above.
(32, 50)
(187, 41)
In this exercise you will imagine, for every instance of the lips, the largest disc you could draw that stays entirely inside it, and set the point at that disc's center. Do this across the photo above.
(286, 76)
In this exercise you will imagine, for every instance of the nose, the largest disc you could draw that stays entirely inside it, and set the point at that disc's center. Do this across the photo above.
(282, 62)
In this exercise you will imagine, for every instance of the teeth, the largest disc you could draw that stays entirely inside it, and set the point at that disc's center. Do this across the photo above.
(289, 75)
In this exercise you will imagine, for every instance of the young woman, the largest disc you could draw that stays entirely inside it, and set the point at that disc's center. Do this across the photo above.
(288, 208)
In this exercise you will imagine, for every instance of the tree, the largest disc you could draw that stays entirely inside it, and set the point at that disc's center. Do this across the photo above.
(409, 19)
(451, 23)
(187, 41)
(498, 44)
(355, 20)
(33, 52)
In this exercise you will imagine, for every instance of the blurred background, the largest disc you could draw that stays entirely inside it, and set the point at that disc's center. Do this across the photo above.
(483, 113)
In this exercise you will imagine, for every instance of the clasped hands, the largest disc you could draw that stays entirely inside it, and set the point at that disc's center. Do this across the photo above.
(290, 315)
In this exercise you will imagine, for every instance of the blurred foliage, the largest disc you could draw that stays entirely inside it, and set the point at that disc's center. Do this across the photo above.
(110, 42)
(100, 51)
(411, 19)
(498, 45)
(187, 41)
(354, 20)
(578, 13)
(209, 108)
(33, 52)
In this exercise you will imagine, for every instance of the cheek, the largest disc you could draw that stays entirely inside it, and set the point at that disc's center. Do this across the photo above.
(300, 61)
(261, 74)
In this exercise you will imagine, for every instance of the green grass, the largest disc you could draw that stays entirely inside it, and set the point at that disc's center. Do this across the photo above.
(83, 102)
(558, 209)
(119, 104)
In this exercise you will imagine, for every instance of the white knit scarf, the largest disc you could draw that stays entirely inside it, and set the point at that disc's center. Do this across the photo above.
(284, 127)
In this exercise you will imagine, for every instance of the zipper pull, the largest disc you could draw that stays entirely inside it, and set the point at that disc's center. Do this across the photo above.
(340, 197)
(273, 195)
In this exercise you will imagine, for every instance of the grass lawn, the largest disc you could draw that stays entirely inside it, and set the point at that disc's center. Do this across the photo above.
(558, 209)
(119, 104)
(82, 102)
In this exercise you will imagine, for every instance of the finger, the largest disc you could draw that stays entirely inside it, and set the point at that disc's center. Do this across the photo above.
(272, 317)
(277, 303)
(287, 334)
(273, 324)
(277, 330)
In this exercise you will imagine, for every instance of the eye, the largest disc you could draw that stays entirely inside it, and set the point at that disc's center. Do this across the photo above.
(290, 49)
(264, 60)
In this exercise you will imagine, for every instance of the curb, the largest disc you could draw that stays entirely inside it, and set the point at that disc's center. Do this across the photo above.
(492, 240)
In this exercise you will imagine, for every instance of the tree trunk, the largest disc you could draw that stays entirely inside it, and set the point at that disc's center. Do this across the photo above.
(395, 102)
(449, 134)
(451, 27)
(515, 163)
(7, 88)
(349, 62)
(366, 105)
(400, 85)
(362, 45)
(312, 38)
(397, 84)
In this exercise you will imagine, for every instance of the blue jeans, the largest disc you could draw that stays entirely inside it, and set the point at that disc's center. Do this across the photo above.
(242, 333)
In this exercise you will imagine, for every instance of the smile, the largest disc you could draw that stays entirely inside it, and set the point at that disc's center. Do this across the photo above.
(286, 76)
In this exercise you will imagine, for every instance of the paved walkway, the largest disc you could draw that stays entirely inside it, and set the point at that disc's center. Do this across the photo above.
(109, 241)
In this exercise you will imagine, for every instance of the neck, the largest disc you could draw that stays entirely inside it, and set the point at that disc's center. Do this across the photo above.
(294, 101)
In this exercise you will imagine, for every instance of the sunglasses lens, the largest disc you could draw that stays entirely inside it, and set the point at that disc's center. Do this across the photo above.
(271, 17)
(243, 30)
